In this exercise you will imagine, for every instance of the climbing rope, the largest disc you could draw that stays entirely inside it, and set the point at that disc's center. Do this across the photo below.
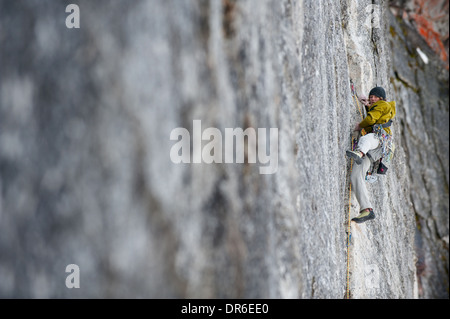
(349, 234)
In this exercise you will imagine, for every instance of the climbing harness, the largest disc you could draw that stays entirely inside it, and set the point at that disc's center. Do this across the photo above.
(387, 151)
(386, 142)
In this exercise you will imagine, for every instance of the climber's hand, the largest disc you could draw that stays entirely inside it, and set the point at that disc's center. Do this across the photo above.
(355, 135)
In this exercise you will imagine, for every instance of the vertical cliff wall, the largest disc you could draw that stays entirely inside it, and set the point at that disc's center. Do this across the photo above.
(86, 175)
(420, 81)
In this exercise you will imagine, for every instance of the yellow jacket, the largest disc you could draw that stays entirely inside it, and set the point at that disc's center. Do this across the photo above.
(379, 113)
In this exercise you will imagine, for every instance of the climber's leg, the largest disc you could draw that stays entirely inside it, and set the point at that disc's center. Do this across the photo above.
(368, 142)
(358, 180)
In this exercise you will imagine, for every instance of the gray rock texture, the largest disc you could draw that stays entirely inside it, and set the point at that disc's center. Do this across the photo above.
(86, 176)
(422, 88)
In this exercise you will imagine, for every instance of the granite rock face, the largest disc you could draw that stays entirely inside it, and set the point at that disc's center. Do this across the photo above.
(421, 85)
(87, 177)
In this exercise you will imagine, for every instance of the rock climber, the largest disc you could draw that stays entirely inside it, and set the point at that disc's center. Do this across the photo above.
(369, 148)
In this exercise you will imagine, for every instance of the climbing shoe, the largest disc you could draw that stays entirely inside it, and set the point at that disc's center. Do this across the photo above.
(364, 215)
(356, 155)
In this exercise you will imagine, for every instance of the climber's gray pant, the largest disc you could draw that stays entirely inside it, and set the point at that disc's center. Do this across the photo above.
(358, 180)
(368, 142)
